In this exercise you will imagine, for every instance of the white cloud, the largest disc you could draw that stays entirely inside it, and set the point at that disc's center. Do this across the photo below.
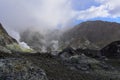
(93, 12)
(107, 8)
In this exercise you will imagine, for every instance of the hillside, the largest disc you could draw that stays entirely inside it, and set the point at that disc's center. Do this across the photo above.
(92, 34)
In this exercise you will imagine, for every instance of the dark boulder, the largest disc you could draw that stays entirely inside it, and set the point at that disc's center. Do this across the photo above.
(112, 50)
(67, 52)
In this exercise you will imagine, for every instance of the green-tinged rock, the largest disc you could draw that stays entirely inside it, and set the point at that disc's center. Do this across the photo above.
(5, 50)
(17, 48)
(14, 47)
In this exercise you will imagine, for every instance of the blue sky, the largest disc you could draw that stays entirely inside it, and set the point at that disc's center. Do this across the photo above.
(83, 4)
(50, 14)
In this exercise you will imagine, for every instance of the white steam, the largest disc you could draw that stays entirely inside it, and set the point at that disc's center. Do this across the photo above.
(41, 15)
(43, 49)
(16, 35)
(24, 45)
(55, 45)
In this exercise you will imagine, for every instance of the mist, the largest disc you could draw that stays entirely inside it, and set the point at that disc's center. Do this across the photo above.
(36, 14)
(42, 16)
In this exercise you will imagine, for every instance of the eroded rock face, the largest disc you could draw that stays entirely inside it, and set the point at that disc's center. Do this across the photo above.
(20, 69)
(112, 50)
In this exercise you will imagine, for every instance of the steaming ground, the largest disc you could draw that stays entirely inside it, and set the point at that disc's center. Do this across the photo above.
(42, 42)
(16, 35)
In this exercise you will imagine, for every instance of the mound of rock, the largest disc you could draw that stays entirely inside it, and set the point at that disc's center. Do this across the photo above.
(20, 69)
(83, 59)
(112, 50)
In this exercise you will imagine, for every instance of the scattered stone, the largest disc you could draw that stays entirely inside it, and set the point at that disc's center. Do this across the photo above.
(20, 69)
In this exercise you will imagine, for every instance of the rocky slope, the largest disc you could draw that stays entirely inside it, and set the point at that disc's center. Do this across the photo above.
(12, 65)
(5, 39)
(92, 34)
(9, 44)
